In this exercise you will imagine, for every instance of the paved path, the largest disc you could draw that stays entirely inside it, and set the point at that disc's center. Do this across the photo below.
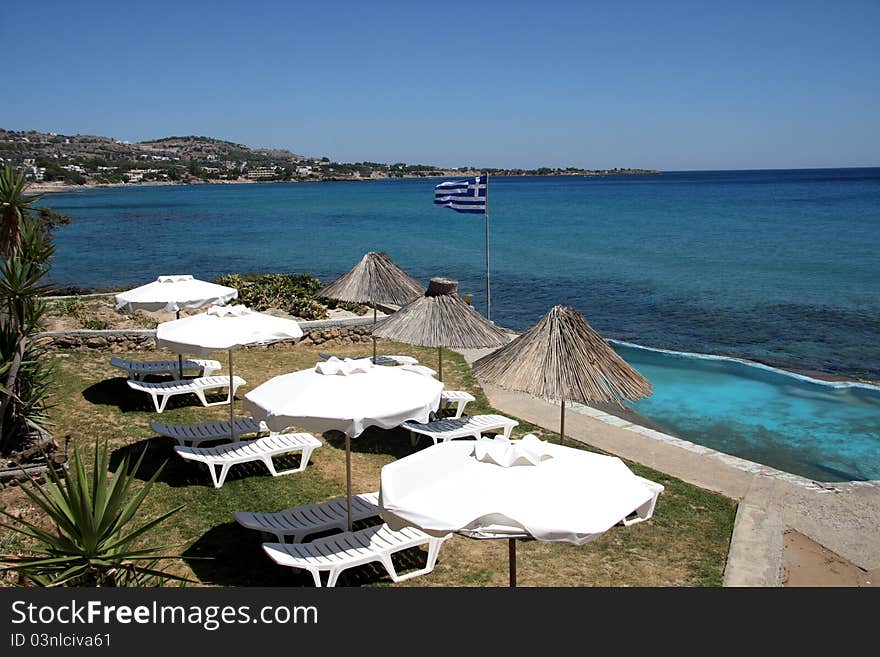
(843, 517)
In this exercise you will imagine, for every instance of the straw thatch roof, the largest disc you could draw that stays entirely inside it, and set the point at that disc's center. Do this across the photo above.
(375, 279)
(441, 319)
(563, 358)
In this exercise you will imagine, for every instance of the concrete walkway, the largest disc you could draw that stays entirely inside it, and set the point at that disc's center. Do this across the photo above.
(842, 517)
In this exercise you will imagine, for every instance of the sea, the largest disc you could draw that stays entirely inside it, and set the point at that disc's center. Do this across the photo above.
(776, 266)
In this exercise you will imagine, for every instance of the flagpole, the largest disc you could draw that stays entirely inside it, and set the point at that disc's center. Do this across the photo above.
(488, 293)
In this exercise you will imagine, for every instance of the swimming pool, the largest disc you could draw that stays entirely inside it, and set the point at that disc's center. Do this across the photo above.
(826, 431)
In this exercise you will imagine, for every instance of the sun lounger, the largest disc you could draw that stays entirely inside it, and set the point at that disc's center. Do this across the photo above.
(340, 552)
(167, 389)
(464, 427)
(419, 369)
(192, 435)
(138, 369)
(261, 449)
(300, 521)
(645, 511)
(384, 359)
(458, 397)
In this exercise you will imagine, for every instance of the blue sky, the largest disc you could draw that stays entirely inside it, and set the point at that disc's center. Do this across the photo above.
(671, 86)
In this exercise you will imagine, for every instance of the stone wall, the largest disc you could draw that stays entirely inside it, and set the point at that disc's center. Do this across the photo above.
(113, 341)
(318, 333)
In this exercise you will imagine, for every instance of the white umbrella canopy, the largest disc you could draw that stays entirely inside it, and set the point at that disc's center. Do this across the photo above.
(511, 489)
(174, 293)
(360, 395)
(224, 328)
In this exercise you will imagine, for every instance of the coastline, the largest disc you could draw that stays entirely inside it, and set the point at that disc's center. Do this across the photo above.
(53, 187)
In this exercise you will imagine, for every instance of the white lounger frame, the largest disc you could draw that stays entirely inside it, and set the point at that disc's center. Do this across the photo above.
(298, 522)
(137, 369)
(261, 449)
(192, 435)
(381, 359)
(464, 427)
(198, 386)
(340, 552)
(458, 397)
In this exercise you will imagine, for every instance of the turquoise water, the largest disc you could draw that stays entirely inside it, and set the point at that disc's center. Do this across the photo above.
(775, 266)
(818, 431)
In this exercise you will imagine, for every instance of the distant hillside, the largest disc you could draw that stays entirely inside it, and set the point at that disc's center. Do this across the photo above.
(95, 160)
(201, 147)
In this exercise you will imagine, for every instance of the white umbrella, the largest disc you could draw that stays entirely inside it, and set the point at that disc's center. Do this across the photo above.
(346, 396)
(174, 293)
(512, 489)
(225, 328)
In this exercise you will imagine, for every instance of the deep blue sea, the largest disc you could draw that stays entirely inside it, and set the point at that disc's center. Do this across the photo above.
(777, 266)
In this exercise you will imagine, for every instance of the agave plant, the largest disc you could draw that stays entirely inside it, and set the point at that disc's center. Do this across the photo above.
(14, 207)
(95, 542)
(26, 243)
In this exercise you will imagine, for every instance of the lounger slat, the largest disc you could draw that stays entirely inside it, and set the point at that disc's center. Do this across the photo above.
(296, 523)
(464, 427)
(137, 369)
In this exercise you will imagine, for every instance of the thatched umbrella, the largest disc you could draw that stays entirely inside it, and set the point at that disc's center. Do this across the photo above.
(562, 357)
(375, 279)
(441, 319)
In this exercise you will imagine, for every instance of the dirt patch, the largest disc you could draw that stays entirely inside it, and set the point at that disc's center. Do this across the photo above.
(809, 564)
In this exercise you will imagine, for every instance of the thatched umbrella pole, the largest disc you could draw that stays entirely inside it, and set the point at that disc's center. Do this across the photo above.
(563, 358)
(374, 337)
(562, 423)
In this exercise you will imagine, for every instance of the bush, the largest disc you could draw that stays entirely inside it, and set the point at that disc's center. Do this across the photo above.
(25, 373)
(93, 543)
(292, 293)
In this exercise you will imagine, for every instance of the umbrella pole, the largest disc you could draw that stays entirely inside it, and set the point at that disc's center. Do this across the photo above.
(374, 337)
(231, 402)
(562, 424)
(511, 560)
(440, 362)
(348, 476)
(179, 356)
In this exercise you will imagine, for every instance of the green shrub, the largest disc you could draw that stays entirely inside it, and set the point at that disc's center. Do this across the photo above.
(26, 248)
(92, 542)
(72, 306)
(94, 323)
(292, 293)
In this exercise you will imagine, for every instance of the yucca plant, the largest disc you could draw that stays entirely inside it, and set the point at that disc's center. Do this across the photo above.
(95, 541)
(14, 207)
(26, 248)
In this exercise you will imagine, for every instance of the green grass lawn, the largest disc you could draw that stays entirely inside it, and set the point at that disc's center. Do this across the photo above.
(684, 544)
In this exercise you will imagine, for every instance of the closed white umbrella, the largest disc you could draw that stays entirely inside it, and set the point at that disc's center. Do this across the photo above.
(491, 489)
(348, 397)
(224, 328)
(174, 293)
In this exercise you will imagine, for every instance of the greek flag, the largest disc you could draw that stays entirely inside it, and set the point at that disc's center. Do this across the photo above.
(462, 195)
